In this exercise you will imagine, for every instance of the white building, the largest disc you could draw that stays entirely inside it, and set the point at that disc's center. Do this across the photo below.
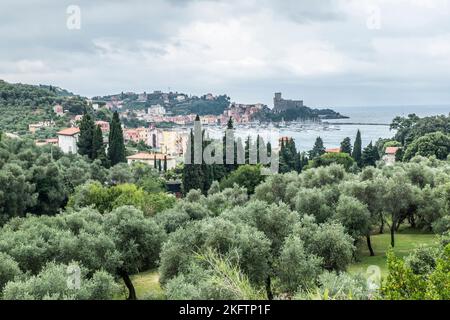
(389, 155)
(173, 143)
(67, 140)
(156, 110)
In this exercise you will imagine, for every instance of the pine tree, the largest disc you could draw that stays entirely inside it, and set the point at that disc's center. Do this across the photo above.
(116, 148)
(98, 148)
(370, 155)
(289, 157)
(346, 146)
(85, 139)
(318, 149)
(357, 149)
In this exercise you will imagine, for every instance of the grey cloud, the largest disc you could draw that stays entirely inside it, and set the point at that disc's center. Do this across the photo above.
(161, 43)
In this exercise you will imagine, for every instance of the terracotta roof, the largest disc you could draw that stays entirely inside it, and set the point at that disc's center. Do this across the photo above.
(391, 150)
(149, 156)
(69, 131)
(333, 150)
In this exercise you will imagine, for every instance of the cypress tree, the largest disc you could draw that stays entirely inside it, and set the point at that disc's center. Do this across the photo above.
(165, 163)
(98, 148)
(159, 165)
(229, 167)
(85, 139)
(357, 149)
(258, 160)
(116, 149)
(192, 173)
(230, 123)
(154, 161)
(370, 155)
(247, 150)
(346, 146)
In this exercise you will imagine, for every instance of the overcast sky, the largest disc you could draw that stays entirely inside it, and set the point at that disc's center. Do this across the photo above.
(326, 52)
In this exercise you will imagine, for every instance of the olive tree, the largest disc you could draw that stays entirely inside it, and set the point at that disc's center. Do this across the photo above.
(400, 200)
(137, 239)
(9, 269)
(52, 283)
(355, 217)
(297, 269)
(328, 241)
(246, 246)
(275, 221)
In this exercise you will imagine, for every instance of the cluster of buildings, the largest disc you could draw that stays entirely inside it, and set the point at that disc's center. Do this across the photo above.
(168, 142)
(242, 113)
(163, 117)
(167, 145)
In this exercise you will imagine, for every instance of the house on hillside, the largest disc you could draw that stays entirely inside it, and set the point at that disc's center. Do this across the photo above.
(44, 142)
(104, 125)
(67, 140)
(389, 155)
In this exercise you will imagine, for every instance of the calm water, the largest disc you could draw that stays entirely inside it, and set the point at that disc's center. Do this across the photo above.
(335, 133)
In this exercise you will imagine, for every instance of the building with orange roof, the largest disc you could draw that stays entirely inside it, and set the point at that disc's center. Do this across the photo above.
(389, 155)
(67, 139)
(333, 150)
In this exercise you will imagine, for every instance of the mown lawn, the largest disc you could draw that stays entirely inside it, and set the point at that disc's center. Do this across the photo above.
(146, 285)
(405, 242)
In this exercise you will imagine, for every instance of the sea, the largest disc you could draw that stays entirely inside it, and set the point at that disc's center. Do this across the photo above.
(373, 122)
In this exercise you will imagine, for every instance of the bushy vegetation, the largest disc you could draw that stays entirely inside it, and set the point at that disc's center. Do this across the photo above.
(236, 234)
(305, 228)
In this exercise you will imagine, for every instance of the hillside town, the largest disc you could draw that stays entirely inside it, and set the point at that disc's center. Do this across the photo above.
(170, 142)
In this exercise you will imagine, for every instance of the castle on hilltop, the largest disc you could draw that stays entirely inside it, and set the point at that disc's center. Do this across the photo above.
(281, 105)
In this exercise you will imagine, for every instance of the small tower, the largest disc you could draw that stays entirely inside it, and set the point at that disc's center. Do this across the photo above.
(277, 102)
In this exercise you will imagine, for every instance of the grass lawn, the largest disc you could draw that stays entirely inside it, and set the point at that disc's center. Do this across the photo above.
(405, 242)
(146, 285)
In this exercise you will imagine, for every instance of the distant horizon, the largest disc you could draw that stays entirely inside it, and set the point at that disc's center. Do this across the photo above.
(270, 104)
